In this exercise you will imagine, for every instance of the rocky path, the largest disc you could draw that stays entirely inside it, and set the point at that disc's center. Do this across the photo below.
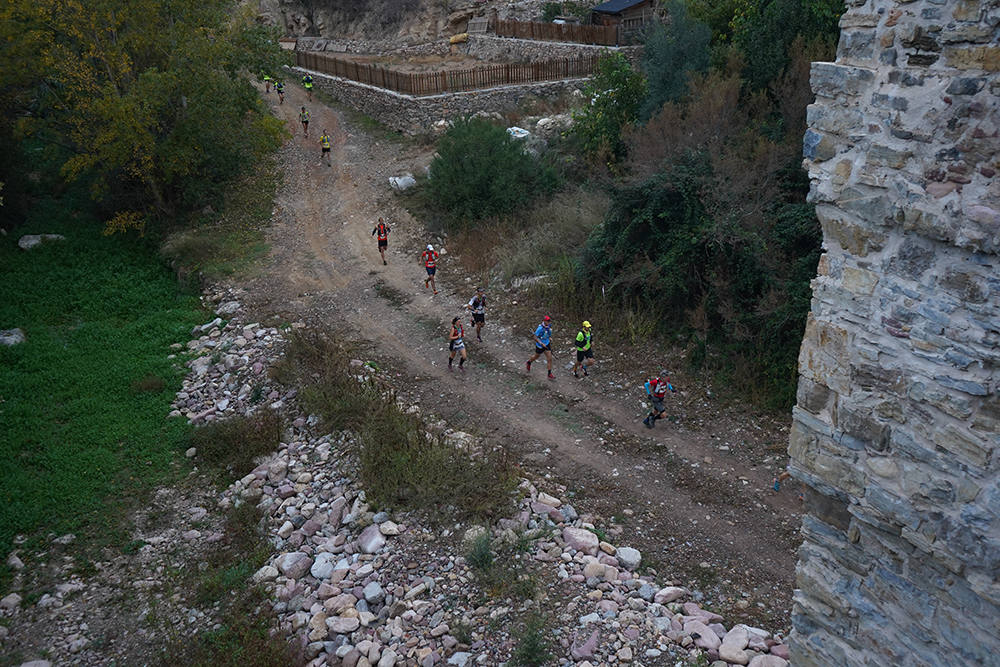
(695, 495)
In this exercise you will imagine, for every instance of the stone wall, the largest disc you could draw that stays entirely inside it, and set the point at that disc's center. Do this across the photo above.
(491, 48)
(895, 434)
(417, 115)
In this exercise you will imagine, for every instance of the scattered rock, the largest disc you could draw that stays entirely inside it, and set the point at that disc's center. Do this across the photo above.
(29, 241)
(10, 337)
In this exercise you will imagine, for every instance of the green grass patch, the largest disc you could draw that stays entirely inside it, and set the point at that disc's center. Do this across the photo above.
(231, 241)
(83, 402)
(244, 636)
(232, 444)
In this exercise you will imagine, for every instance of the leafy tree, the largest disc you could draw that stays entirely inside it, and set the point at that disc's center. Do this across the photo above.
(481, 171)
(671, 54)
(150, 98)
(614, 95)
(764, 29)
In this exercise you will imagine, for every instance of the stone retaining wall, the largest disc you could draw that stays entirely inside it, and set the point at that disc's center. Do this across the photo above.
(491, 48)
(417, 115)
(895, 434)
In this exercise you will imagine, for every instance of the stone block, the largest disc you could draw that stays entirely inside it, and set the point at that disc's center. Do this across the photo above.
(832, 79)
(853, 236)
(986, 58)
(859, 281)
(964, 443)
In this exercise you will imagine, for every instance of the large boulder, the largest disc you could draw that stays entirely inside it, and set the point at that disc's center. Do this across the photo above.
(581, 539)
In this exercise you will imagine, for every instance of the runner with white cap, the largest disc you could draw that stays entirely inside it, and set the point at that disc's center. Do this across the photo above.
(430, 258)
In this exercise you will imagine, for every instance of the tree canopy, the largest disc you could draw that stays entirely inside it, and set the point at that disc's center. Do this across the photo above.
(149, 100)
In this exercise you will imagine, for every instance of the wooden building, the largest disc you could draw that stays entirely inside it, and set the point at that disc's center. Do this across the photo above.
(629, 15)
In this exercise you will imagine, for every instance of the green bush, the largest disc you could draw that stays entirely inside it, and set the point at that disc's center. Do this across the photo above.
(550, 10)
(481, 171)
(614, 95)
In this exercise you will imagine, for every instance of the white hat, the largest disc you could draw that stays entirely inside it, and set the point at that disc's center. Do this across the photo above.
(430, 247)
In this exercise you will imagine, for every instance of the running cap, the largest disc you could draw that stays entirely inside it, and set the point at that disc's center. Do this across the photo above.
(430, 247)
(546, 318)
(586, 324)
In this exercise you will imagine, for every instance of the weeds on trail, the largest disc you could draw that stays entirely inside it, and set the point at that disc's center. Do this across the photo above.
(244, 636)
(533, 648)
(329, 386)
(502, 575)
(401, 465)
(234, 443)
(480, 554)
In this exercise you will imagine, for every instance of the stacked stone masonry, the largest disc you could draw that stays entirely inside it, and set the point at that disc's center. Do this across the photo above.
(895, 434)
(417, 115)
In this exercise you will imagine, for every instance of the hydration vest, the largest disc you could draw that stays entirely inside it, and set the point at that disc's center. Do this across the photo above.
(429, 258)
(383, 232)
(304, 116)
(325, 140)
(657, 388)
(583, 340)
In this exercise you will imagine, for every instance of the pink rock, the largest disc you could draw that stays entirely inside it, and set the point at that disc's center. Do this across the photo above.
(581, 540)
(293, 565)
(669, 594)
(587, 649)
(768, 661)
(780, 650)
(371, 539)
(691, 609)
(938, 190)
(310, 527)
(706, 638)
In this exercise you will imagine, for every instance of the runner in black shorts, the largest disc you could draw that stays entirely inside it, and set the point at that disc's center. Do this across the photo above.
(382, 230)
(478, 307)
(324, 142)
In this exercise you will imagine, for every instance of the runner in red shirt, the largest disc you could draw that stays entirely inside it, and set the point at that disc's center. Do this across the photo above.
(430, 258)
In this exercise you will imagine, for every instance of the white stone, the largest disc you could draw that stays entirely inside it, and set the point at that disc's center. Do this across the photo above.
(551, 501)
(669, 594)
(10, 602)
(389, 528)
(323, 566)
(266, 573)
(29, 241)
(628, 557)
(11, 337)
(371, 540)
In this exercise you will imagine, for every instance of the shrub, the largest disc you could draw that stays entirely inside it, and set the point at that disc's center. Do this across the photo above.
(480, 554)
(481, 171)
(532, 649)
(234, 443)
(550, 10)
(671, 53)
(614, 95)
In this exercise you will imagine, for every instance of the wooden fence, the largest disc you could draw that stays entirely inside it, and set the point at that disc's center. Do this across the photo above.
(433, 83)
(603, 35)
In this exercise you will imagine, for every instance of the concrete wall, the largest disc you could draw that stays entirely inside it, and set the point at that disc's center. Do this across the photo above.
(895, 433)
(417, 115)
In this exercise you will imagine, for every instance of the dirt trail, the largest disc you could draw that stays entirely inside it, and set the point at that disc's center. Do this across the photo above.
(684, 501)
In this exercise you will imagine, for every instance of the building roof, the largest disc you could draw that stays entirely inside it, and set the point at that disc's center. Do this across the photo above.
(616, 6)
